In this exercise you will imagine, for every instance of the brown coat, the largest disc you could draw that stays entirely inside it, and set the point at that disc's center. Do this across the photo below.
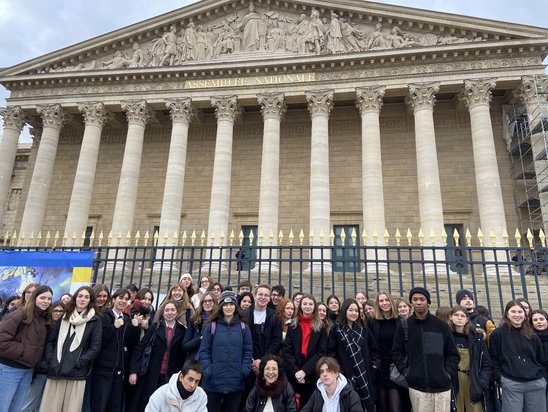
(26, 347)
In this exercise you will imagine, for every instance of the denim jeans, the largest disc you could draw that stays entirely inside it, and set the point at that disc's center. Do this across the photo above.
(14, 384)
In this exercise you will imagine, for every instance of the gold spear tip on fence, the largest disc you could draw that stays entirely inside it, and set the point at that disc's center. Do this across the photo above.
(398, 237)
(480, 237)
(530, 238)
(542, 237)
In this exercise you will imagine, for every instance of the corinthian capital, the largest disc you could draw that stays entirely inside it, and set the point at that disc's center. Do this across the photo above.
(226, 107)
(94, 114)
(369, 99)
(52, 115)
(531, 88)
(423, 95)
(181, 110)
(14, 117)
(478, 92)
(320, 102)
(136, 111)
(272, 104)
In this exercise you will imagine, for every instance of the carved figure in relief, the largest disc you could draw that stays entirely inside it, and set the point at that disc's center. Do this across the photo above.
(117, 62)
(316, 32)
(210, 39)
(250, 28)
(353, 38)
(191, 42)
(334, 35)
(377, 39)
(296, 39)
(276, 38)
(170, 51)
(14, 200)
(225, 42)
(137, 58)
(201, 43)
(398, 39)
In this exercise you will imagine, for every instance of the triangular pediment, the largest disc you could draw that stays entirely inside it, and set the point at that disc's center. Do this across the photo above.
(212, 31)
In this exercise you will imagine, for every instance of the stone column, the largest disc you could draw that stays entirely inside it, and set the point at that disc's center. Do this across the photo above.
(37, 199)
(272, 108)
(138, 114)
(320, 104)
(476, 97)
(13, 124)
(369, 102)
(422, 99)
(531, 94)
(226, 110)
(82, 189)
(181, 112)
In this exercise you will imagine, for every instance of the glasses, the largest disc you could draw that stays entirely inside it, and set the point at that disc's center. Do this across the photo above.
(216, 289)
(204, 281)
(58, 311)
(208, 301)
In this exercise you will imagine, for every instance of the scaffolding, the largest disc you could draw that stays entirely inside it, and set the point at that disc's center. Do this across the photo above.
(527, 142)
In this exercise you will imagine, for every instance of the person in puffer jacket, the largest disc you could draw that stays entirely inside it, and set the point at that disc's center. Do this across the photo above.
(225, 354)
(181, 393)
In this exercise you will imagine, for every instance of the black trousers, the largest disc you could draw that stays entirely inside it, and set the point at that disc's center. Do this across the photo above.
(107, 392)
(223, 402)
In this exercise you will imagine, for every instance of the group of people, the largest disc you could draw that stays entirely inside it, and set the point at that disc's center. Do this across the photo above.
(210, 348)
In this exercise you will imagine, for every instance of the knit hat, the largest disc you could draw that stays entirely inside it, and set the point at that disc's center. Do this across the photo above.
(228, 296)
(421, 291)
(186, 275)
(461, 294)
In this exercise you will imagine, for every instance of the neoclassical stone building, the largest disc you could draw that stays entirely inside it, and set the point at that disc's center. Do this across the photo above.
(269, 116)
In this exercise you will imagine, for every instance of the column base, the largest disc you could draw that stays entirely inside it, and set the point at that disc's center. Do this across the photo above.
(266, 267)
(437, 269)
(214, 268)
(317, 268)
(372, 268)
(502, 270)
(116, 267)
(165, 267)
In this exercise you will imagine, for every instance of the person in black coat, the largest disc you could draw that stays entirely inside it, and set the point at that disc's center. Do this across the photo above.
(300, 358)
(352, 344)
(71, 348)
(333, 389)
(193, 334)
(475, 366)
(120, 336)
(271, 386)
(165, 340)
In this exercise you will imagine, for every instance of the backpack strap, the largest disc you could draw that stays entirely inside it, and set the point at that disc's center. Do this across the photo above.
(243, 326)
(213, 328)
(405, 329)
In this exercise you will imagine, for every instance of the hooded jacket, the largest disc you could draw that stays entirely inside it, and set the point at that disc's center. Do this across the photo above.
(167, 399)
(344, 397)
(432, 356)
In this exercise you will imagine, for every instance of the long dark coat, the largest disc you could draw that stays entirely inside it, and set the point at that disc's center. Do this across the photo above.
(148, 383)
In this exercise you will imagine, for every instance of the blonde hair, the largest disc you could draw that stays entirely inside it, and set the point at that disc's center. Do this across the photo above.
(379, 314)
(316, 324)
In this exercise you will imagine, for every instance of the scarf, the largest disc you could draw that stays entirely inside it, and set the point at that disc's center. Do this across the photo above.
(306, 329)
(73, 327)
(353, 340)
(182, 391)
(271, 391)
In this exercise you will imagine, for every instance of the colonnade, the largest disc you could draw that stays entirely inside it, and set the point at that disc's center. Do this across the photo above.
(476, 95)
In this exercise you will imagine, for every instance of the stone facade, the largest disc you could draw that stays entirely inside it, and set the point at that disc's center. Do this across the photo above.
(111, 124)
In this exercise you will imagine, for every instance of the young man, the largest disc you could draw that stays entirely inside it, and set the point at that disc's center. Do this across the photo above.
(465, 299)
(181, 393)
(278, 293)
(429, 358)
(244, 286)
(266, 332)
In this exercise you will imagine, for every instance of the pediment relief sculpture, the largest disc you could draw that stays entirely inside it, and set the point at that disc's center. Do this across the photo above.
(256, 31)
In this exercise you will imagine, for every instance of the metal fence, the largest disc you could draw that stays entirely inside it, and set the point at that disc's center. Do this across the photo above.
(495, 274)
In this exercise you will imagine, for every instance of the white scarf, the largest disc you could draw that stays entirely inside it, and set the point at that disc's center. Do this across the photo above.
(75, 325)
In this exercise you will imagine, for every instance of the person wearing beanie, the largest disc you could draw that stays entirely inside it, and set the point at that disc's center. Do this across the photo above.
(429, 358)
(465, 299)
(225, 354)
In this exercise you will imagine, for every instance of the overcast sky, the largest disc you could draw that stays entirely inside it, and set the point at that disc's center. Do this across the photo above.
(31, 28)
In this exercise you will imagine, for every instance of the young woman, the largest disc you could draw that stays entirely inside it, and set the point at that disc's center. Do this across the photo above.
(334, 305)
(25, 296)
(297, 296)
(216, 288)
(193, 334)
(226, 352)
(517, 359)
(404, 308)
(354, 347)
(164, 340)
(10, 305)
(305, 343)
(383, 327)
(65, 298)
(205, 281)
(72, 346)
(286, 312)
(36, 389)
(368, 309)
(245, 300)
(142, 309)
(120, 336)
(526, 306)
(323, 313)
(539, 321)
(272, 391)
(178, 294)
(475, 367)
(102, 297)
(186, 281)
(22, 339)
(361, 298)
(335, 392)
